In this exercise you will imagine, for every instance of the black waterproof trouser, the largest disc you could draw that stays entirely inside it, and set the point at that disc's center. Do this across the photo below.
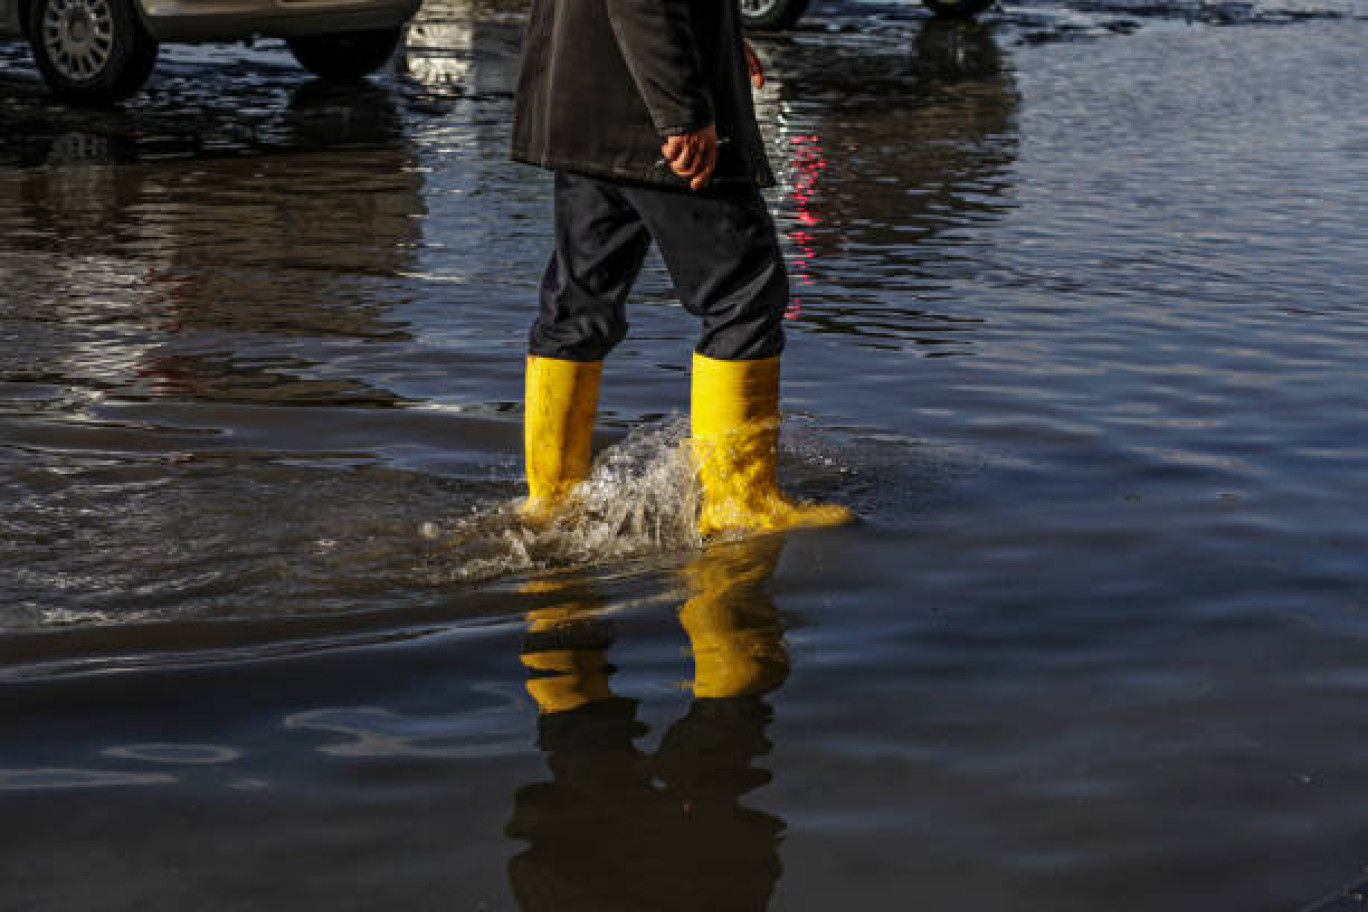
(719, 244)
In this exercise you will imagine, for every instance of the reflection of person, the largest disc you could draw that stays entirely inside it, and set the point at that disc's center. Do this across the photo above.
(618, 828)
(642, 109)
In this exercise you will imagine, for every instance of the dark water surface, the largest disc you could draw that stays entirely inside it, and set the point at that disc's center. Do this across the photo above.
(1078, 329)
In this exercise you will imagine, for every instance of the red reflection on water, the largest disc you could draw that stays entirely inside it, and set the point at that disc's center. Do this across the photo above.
(808, 161)
(173, 296)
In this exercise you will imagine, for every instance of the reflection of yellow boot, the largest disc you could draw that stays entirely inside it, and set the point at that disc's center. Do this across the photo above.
(736, 441)
(558, 427)
(565, 679)
(733, 626)
(564, 654)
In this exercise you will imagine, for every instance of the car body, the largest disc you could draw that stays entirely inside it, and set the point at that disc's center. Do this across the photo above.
(236, 20)
(784, 14)
(101, 50)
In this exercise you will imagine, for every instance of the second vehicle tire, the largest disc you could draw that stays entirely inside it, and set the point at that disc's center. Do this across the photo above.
(772, 14)
(957, 9)
(347, 55)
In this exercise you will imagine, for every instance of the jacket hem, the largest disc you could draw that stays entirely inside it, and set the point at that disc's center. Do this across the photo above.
(653, 175)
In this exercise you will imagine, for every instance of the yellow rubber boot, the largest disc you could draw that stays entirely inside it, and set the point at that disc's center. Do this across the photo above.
(558, 427)
(736, 442)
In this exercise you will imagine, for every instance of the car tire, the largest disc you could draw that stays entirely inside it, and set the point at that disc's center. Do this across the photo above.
(346, 56)
(957, 9)
(91, 52)
(772, 15)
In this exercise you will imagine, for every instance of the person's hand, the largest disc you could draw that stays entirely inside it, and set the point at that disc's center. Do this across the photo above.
(757, 69)
(693, 156)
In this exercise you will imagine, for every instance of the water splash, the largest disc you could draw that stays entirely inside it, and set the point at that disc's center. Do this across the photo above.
(641, 498)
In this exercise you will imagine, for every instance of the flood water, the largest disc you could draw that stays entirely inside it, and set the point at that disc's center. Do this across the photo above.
(1078, 330)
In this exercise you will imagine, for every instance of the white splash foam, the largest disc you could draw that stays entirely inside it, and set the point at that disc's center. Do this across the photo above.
(641, 498)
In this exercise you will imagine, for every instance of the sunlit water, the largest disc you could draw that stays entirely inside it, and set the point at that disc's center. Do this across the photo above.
(1078, 330)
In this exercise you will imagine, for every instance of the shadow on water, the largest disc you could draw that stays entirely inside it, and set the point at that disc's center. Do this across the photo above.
(622, 827)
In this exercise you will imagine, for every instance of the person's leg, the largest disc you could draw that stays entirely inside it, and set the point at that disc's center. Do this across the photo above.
(600, 246)
(723, 253)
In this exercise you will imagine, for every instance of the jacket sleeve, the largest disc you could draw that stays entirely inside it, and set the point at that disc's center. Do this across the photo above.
(658, 43)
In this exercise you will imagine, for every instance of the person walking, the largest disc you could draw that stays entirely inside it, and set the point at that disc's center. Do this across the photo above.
(642, 108)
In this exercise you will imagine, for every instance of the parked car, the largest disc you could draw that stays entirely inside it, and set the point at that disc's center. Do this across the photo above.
(98, 51)
(782, 14)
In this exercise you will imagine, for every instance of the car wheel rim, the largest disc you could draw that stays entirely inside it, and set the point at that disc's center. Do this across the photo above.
(753, 9)
(79, 37)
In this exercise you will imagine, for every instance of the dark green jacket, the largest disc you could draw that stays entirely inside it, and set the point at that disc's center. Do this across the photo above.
(603, 82)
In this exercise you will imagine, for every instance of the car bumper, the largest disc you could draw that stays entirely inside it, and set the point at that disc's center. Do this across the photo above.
(232, 20)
